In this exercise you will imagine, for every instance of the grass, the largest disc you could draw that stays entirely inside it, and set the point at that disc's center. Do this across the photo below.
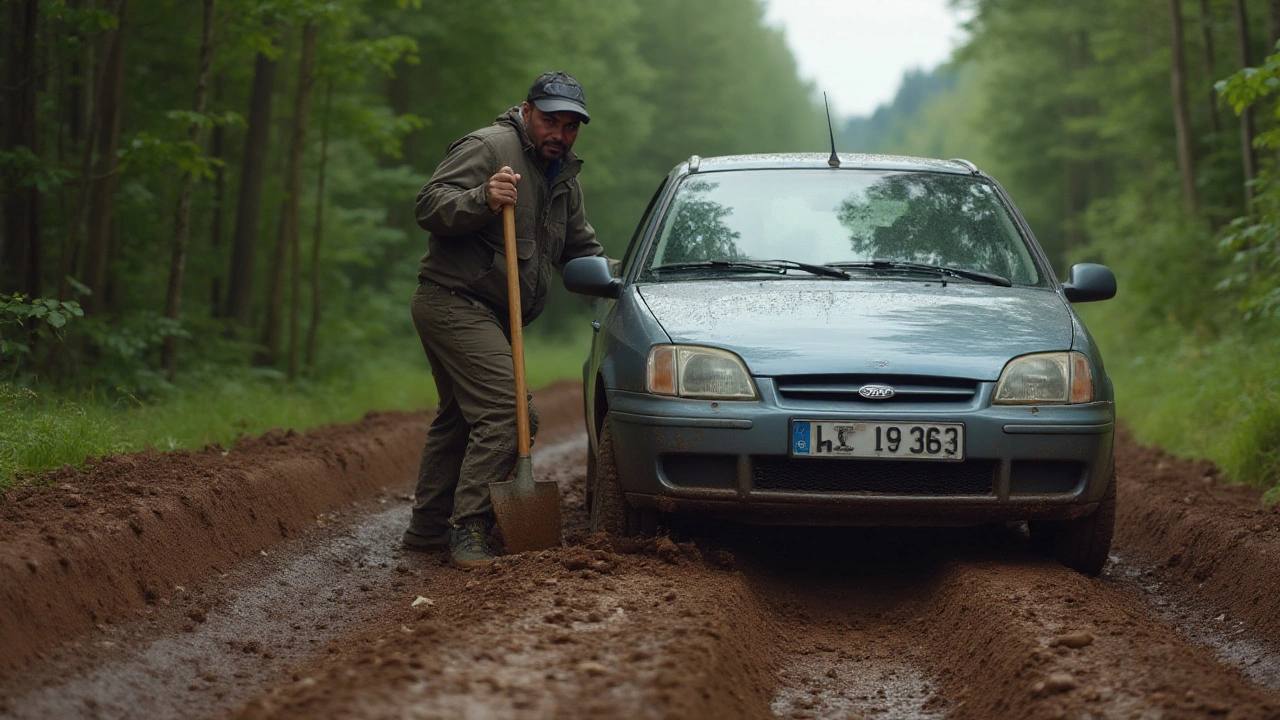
(1201, 395)
(40, 433)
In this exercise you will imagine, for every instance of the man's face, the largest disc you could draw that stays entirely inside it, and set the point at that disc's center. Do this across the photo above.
(552, 133)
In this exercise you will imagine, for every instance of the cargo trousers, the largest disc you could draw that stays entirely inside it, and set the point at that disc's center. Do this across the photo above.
(472, 440)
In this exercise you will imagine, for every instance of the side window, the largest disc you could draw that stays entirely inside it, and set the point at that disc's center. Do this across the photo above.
(645, 219)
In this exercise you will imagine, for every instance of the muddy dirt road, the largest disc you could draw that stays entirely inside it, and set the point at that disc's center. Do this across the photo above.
(266, 580)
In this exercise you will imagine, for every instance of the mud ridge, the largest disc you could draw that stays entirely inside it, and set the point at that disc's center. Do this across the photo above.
(1033, 639)
(107, 543)
(596, 630)
(1217, 541)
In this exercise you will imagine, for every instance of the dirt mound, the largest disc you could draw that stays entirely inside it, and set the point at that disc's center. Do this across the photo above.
(105, 543)
(1217, 540)
(1033, 639)
(604, 629)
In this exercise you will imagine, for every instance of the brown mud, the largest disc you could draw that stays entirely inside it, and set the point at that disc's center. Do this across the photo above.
(268, 582)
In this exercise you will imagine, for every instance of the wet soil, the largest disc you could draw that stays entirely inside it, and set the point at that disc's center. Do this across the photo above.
(266, 580)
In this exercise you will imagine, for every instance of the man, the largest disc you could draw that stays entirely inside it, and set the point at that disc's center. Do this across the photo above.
(524, 159)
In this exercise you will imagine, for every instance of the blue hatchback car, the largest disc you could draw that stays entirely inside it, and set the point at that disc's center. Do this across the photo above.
(881, 342)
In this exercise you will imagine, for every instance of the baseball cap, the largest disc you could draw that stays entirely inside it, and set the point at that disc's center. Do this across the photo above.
(559, 92)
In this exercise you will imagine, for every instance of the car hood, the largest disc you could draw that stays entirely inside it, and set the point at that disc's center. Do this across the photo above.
(894, 327)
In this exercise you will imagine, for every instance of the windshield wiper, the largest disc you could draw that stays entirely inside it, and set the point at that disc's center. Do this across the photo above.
(779, 267)
(923, 267)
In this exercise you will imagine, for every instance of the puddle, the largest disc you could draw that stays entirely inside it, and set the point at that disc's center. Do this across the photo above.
(1231, 639)
(832, 685)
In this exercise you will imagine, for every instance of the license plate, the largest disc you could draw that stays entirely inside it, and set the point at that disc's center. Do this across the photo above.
(875, 439)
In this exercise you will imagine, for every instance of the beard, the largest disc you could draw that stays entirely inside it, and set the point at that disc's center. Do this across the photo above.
(551, 151)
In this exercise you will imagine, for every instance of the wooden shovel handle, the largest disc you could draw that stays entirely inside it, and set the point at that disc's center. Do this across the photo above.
(517, 327)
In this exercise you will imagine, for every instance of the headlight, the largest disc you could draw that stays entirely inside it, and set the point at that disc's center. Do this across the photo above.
(698, 372)
(1045, 378)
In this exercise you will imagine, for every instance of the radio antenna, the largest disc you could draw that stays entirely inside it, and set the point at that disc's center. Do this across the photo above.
(834, 160)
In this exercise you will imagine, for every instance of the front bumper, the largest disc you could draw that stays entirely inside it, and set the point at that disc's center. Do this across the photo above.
(730, 459)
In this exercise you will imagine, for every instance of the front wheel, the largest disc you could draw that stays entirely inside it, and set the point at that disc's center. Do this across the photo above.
(1081, 544)
(609, 509)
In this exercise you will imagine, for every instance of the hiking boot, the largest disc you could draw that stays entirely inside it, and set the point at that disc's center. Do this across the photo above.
(415, 540)
(469, 545)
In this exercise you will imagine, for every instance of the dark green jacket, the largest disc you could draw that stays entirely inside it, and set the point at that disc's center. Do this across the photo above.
(465, 249)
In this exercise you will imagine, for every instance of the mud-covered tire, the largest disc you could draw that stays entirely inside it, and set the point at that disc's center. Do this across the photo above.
(1084, 543)
(591, 474)
(609, 511)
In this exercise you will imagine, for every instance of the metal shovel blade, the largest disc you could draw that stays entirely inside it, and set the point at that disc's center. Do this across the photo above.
(528, 510)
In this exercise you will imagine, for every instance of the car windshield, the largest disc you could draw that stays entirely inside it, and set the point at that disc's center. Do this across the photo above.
(867, 221)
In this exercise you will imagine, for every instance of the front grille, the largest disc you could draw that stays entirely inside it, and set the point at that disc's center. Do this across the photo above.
(906, 388)
(886, 477)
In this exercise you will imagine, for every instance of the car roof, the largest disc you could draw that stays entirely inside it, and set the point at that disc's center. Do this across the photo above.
(854, 161)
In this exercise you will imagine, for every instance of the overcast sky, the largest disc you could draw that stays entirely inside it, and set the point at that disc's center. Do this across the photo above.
(857, 50)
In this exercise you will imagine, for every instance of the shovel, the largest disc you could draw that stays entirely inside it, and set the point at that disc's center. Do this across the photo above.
(528, 510)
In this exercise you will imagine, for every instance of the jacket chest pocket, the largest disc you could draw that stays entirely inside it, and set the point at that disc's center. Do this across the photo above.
(526, 232)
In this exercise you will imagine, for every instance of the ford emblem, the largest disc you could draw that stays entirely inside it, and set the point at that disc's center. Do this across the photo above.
(876, 392)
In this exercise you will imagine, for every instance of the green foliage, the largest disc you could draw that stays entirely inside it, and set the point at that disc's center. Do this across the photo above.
(1253, 241)
(18, 309)
(124, 350)
(1166, 265)
(26, 321)
(31, 170)
(1253, 244)
(147, 153)
(78, 20)
(1249, 87)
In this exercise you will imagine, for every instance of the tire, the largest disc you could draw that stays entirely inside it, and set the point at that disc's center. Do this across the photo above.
(1084, 543)
(591, 474)
(609, 510)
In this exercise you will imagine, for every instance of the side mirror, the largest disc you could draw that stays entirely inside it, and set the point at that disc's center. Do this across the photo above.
(591, 276)
(1088, 282)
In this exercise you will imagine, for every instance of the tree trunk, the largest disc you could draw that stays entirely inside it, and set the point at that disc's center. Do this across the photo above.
(20, 245)
(319, 231)
(1206, 36)
(102, 183)
(1182, 112)
(1246, 118)
(287, 235)
(94, 98)
(245, 242)
(182, 217)
(219, 188)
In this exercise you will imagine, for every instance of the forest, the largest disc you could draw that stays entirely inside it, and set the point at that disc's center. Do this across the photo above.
(206, 205)
(1142, 135)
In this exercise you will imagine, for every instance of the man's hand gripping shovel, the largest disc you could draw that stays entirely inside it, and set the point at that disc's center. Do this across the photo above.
(528, 510)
